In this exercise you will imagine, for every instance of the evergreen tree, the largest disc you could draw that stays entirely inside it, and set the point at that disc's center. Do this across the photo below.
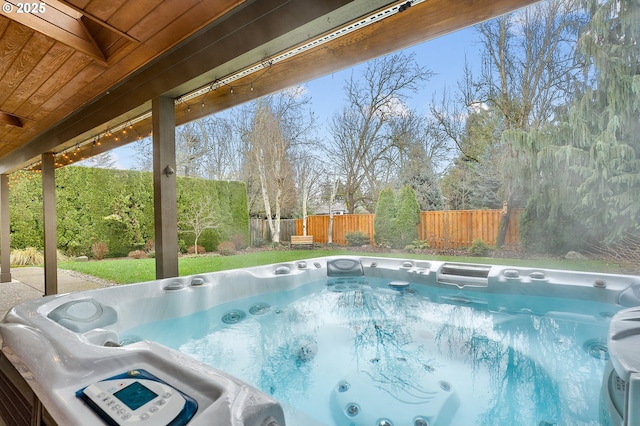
(407, 217)
(383, 223)
(605, 121)
(584, 170)
(418, 173)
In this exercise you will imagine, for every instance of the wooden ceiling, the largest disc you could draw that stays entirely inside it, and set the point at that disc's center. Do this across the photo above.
(72, 70)
(56, 58)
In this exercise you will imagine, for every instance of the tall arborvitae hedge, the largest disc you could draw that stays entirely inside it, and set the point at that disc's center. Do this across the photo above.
(116, 207)
(383, 222)
(407, 217)
(396, 219)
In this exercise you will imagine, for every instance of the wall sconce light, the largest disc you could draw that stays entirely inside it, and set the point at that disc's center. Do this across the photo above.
(168, 171)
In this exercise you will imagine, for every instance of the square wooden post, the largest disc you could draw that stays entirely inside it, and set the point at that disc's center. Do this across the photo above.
(49, 215)
(5, 230)
(164, 187)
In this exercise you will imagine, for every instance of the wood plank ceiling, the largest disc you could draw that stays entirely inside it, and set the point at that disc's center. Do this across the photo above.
(71, 70)
(55, 60)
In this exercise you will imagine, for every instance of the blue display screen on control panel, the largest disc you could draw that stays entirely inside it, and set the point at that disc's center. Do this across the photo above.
(135, 395)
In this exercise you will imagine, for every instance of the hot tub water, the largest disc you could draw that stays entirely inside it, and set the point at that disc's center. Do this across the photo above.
(372, 351)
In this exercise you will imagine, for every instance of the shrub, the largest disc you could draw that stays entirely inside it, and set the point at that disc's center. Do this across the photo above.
(479, 248)
(420, 244)
(150, 246)
(356, 238)
(137, 254)
(99, 249)
(61, 256)
(417, 245)
(227, 248)
(192, 249)
(240, 241)
(258, 242)
(26, 257)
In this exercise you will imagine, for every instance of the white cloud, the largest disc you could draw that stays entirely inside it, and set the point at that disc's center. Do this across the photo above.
(395, 108)
(296, 91)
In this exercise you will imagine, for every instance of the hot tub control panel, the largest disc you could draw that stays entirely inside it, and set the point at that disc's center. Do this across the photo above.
(138, 397)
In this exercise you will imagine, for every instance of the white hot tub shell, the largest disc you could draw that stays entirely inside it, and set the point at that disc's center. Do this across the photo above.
(60, 344)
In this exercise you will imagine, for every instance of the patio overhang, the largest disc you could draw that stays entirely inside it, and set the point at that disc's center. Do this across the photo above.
(73, 71)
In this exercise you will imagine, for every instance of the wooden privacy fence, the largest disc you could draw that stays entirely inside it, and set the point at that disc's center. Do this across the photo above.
(318, 226)
(259, 230)
(458, 228)
(442, 229)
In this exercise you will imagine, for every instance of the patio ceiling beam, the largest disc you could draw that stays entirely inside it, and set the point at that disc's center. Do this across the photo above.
(57, 21)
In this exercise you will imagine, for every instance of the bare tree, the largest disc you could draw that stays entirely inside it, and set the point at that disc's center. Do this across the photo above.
(361, 145)
(209, 148)
(223, 159)
(192, 144)
(309, 170)
(528, 72)
(143, 154)
(332, 198)
(200, 216)
(106, 160)
(278, 126)
(414, 155)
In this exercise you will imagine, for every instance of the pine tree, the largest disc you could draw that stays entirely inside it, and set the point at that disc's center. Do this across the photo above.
(605, 145)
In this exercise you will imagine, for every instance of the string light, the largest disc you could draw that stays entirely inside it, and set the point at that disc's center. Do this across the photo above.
(263, 65)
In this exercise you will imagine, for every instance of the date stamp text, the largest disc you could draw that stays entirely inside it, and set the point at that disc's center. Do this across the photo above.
(32, 8)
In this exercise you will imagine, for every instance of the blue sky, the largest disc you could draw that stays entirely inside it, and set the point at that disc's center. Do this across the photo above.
(445, 56)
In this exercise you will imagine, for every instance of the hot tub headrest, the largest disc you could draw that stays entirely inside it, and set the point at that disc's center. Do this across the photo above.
(631, 296)
(83, 315)
(344, 268)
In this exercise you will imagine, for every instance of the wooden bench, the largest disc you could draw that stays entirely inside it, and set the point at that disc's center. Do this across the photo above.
(305, 241)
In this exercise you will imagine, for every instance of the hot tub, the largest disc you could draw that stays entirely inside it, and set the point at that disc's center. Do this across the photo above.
(92, 357)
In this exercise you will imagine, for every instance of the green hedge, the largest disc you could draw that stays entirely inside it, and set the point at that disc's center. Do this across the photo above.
(116, 207)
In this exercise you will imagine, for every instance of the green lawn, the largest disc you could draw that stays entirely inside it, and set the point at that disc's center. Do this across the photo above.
(126, 271)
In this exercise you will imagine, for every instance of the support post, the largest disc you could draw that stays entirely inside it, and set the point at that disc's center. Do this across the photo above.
(5, 231)
(164, 187)
(49, 215)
